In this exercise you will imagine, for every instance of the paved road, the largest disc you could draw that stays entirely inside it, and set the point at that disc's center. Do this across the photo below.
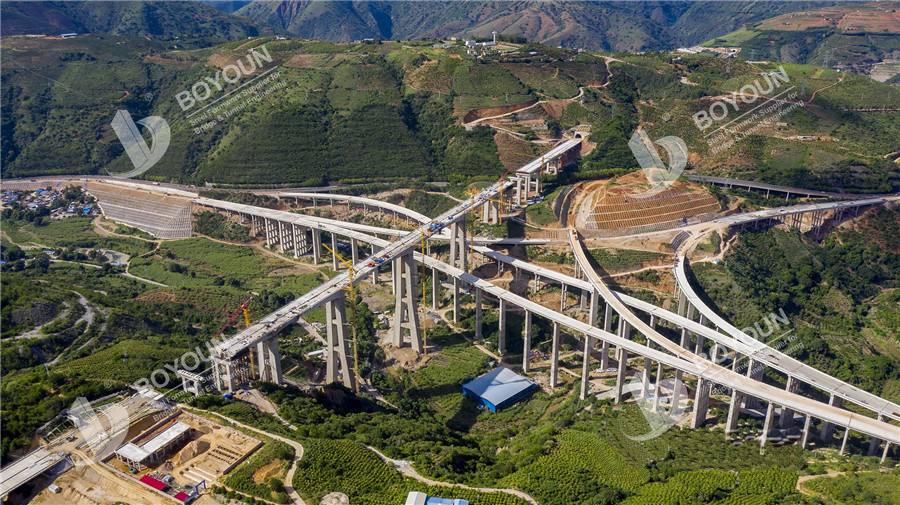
(406, 468)
(298, 450)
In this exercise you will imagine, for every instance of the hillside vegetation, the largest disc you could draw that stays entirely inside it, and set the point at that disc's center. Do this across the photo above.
(392, 111)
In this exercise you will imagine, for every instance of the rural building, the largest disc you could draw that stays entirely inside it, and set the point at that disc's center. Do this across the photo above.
(499, 388)
(152, 451)
(417, 498)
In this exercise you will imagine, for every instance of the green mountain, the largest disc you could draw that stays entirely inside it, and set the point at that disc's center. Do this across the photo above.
(611, 26)
(864, 38)
(393, 111)
(167, 20)
(618, 26)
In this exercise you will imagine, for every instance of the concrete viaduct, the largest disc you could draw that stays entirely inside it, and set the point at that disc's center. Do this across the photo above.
(613, 330)
(620, 320)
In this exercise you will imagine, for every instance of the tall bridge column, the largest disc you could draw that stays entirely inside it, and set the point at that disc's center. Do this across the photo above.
(478, 315)
(554, 357)
(677, 385)
(657, 388)
(405, 315)
(526, 343)
(873, 442)
(262, 359)
(334, 260)
(884, 454)
(223, 374)
(354, 251)
(273, 357)
(828, 428)
(270, 239)
(501, 329)
(767, 425)
(701, 402)
(586, 365)
(607, 326)
(436, 289)
(458, 246)
(645, 378)
(317, 246)
(843, 451)
(456, 298)
(622, 358)
(804, 436)
(287, 238)
(336, 342)
(734, 411)
(786, 419)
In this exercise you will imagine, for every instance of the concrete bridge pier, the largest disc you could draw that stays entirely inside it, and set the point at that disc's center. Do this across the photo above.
(677, 386)
(657, 388)
(767, 425)
(843, 451)
(336, 342)
(874, 442)
(459, 247)
(526, 343)
(269, 357)
(317, 246)
(701, 402)
(354, 251)
(479, 333)
(804, 435)
(405, 314)
(270, 232)
(734, 411)
(586, 366)
(334, 260)
(501, 329)
(223, 374)
(435, 288)
(456, 299)
(374, 270)
(490, 212)
(645, 379)
(828, 428)
(607, 326)
(786, 419)
(285, 237)
(622, 357)
(554, 357)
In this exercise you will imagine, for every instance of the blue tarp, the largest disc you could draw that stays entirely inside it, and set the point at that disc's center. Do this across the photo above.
(499, 388)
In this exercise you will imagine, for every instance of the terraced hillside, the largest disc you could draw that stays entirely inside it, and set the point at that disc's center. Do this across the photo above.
(322, 112)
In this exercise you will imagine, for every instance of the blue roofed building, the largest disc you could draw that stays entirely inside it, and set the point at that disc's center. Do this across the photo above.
(499, 388)
(417, 498)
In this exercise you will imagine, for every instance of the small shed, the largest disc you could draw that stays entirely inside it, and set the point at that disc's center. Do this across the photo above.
(499, 388)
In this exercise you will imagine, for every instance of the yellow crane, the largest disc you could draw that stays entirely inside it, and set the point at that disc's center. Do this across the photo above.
(351, 296)
(504, 204)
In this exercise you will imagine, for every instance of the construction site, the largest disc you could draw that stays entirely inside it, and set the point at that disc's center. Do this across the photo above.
(175, 457)
(625, 206)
